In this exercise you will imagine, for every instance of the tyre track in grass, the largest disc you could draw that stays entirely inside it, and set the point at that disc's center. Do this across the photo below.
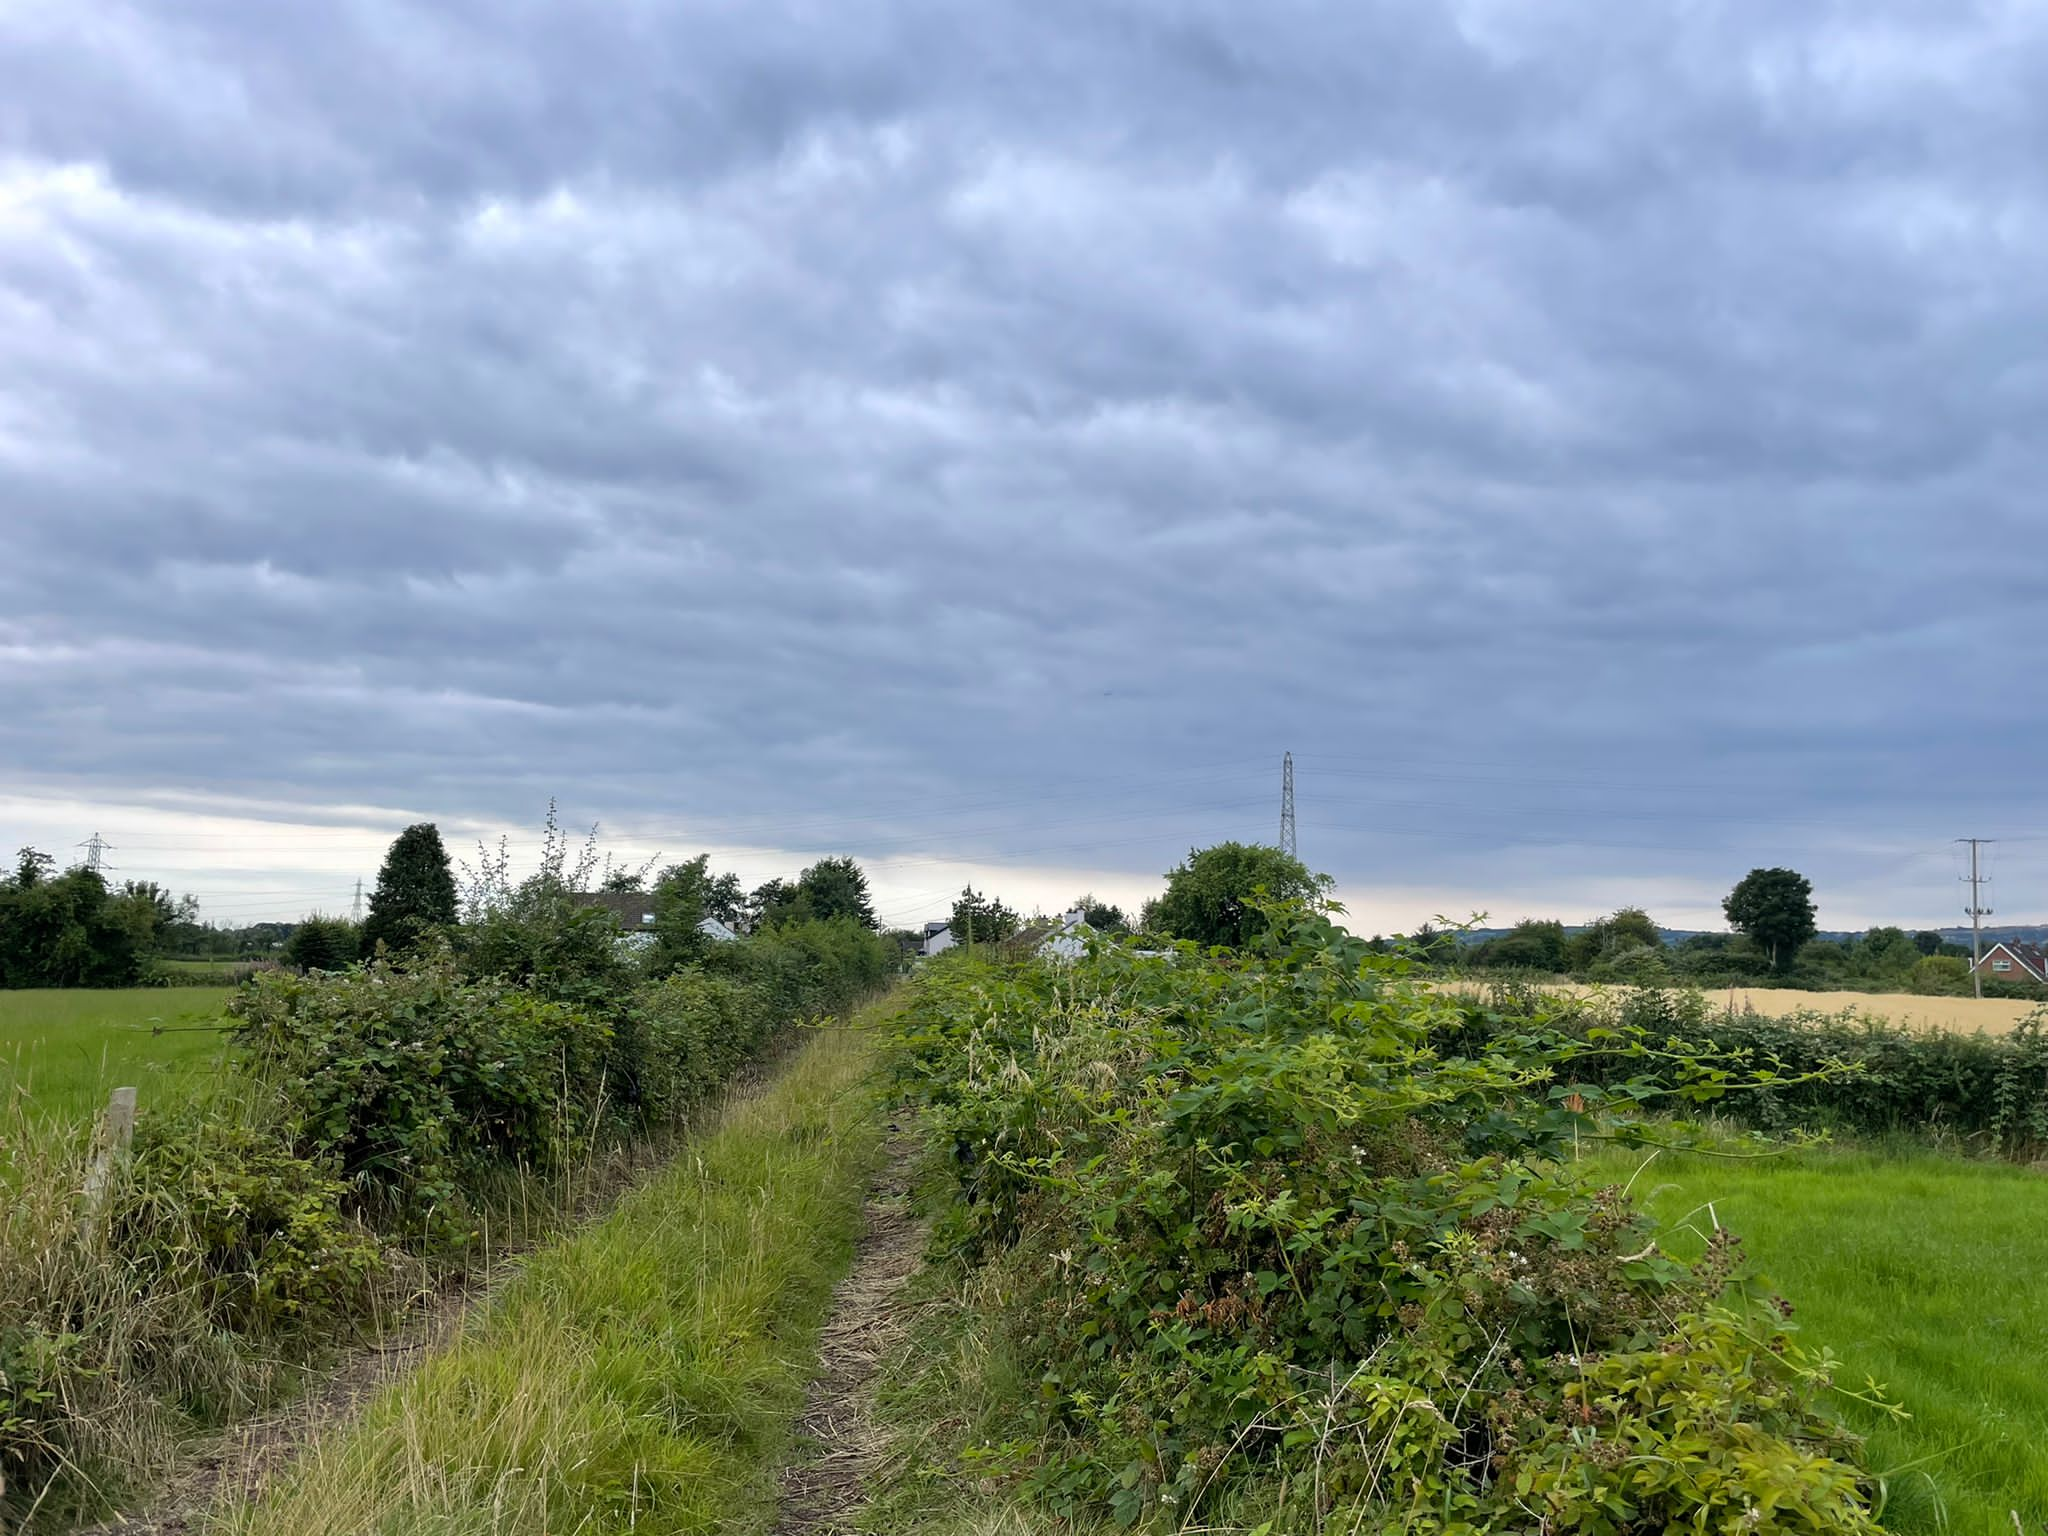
(234, 1464)
(842, 1446)
(702, 1328)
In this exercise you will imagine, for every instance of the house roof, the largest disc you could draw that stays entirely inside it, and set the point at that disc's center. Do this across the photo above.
(633, 909)
(2030, 956)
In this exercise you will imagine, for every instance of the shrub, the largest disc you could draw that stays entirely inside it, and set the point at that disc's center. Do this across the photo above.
(1940, 976)
(228, 1212)
(323, 944)
(1989, 1089)
(1258, 1233)
(410, 1083)
(376, 1099)
(698, 1030)
(544, 939)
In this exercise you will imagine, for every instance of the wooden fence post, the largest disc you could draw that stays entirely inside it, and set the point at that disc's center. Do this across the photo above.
(110, 1151)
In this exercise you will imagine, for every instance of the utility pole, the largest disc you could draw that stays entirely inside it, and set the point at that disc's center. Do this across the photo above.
(356, 913)
(1287, 804)
(1977, 912)
(96, 850)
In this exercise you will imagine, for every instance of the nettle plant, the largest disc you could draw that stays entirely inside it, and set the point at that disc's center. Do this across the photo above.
(1267, 1243)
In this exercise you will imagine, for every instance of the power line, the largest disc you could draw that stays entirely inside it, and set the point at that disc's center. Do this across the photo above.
(96, 850)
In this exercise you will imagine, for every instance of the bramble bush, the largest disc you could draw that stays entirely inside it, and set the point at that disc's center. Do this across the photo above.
(220, 1208)
(410, 1084)
(1264, 1242)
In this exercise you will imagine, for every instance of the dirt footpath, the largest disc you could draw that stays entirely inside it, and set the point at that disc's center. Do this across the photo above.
(841, 1444)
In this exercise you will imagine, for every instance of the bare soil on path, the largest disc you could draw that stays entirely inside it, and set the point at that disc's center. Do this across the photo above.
(842, 1445)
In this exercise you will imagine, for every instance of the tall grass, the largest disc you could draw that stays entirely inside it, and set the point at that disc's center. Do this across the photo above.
(642, 1376)
(101, 1376)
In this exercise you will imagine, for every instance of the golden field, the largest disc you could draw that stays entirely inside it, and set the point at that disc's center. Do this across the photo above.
(1960, 1015)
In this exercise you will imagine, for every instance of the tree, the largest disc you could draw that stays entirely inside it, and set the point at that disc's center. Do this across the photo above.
(680, 898)
(1927, 942)
(1432, 945)
(770, 900)
(726, 901)
(69, 930)
(1102, 916)
(982, 919)
(415, 892)
(1775, 908)
(1624, 928)
(1531, 945)
(1887, 953)
(323, 944)
(1208, 898)
(836, 888)
(174, 919)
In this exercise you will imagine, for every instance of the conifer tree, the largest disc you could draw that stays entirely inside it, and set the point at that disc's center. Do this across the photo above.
(415, 891)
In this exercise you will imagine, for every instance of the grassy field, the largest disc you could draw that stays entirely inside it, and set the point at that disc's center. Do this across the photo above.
(643, 1376)
(1922, 1271)
(61, 1052)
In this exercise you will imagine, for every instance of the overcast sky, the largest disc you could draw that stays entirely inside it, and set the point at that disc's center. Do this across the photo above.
(1603, 441)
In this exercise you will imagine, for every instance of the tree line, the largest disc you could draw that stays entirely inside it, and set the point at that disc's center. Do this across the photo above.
(72, 928)
(1773, 941)
(1210, 898)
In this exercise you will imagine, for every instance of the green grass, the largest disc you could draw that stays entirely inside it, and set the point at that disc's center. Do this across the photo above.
(61, 1052)
(642, 1376)
(1926, 1272)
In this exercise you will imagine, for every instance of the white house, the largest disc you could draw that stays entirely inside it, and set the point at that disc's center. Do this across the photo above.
(1067, 939)
(938, 938)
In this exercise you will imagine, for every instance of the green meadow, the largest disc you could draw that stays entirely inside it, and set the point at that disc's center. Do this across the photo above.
(1921, 1271)
(62, 1052)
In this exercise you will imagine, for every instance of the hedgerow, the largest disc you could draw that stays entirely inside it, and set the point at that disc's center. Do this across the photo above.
(1264, 1242)
(1991, 1091)
(380, 1113)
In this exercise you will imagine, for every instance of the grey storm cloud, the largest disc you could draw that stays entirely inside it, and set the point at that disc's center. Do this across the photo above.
(701, 409)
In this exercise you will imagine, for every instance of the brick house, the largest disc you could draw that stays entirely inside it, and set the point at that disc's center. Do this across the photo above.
(2012, 960)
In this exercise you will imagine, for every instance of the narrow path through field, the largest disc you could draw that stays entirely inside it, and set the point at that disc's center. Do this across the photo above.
(234, 1465)
(843, 1444)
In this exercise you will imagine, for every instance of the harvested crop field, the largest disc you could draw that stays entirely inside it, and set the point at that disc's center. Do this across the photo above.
(1910, 1010)
(1961, 1015)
